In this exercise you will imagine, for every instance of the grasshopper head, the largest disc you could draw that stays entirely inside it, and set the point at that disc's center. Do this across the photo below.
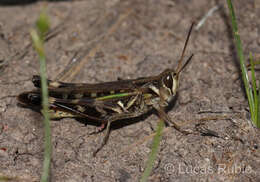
(169, 78)
(168, 88)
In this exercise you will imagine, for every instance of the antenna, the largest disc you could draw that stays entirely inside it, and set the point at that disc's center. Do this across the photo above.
(179, 68)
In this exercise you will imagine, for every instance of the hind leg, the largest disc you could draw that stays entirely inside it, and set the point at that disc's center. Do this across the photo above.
(105, 139)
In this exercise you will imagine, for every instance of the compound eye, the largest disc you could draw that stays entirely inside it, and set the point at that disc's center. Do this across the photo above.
(34, 98)
(168, 81)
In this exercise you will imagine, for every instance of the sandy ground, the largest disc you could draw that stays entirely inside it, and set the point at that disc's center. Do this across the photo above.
(105, 40)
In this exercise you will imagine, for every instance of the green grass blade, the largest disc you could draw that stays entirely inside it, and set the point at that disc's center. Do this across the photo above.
(258, 106)
(254, 88)
(42, 25)
(47, 128)
(152, 155)
(242, 60)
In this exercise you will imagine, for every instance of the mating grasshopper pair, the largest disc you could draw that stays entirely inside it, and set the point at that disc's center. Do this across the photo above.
(110, 101)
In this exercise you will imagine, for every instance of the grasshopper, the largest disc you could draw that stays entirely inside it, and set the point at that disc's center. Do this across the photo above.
(107, 102)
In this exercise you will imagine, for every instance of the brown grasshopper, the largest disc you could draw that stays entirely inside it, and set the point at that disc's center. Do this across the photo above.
(110, 101)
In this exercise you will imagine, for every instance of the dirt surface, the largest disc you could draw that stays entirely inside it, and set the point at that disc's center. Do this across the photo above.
(107, 40)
